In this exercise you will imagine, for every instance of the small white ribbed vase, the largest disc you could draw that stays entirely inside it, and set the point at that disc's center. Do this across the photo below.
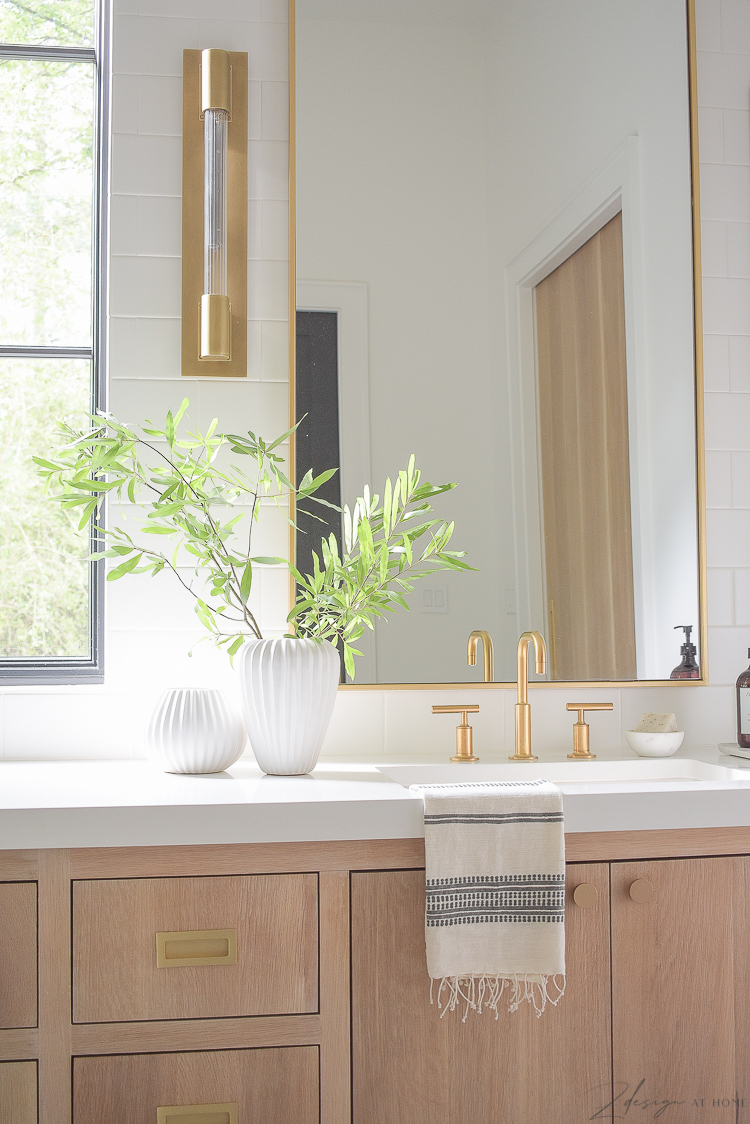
(288, 690)
(194, 730)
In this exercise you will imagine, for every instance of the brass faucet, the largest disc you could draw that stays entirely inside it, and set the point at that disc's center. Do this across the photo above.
(523, 710)
(489, 655)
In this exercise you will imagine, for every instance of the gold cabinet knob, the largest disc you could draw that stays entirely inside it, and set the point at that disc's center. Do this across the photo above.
(641, 891)
(585, 895)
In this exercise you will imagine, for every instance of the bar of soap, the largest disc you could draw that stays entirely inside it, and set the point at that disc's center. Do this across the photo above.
(657, 724)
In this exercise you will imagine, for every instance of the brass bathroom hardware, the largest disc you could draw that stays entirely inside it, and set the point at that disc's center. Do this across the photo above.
(464, 748)
(196, 949)
(523, 709)
(197, 1114)
(585, 895)
(487, 650)
(641, 891)
(214, 213)
(581, 730)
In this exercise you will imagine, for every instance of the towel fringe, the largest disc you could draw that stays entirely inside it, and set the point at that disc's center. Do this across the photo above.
(478, 992)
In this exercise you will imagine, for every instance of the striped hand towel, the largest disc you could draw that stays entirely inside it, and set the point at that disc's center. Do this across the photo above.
(495, 859)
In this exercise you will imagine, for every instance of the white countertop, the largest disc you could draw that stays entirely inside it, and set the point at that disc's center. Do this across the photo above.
(132, 803)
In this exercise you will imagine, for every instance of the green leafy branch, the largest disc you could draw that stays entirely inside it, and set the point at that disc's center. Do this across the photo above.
(386, 548)
(187, 492)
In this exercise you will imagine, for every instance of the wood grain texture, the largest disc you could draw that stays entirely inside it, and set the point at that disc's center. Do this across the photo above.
(277, 1086)
(18, 954)
(18, 1092)
(335, 1070)
(54, 987)
(243, 858)
(741, 963)
(115, 977)
(19, 866)
(583, 422)
(411, 1066)
(19, 1044)
(196, 1034)
(609, 846)
(673, 987)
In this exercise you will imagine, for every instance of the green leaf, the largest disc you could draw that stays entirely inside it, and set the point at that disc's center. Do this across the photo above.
(268, 560)
(246, 582)
(124, 568)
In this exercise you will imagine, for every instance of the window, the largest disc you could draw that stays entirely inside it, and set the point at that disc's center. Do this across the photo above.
(53, 132)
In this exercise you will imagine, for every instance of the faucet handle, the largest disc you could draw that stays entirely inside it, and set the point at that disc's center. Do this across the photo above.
(464, 732)
(581, 730)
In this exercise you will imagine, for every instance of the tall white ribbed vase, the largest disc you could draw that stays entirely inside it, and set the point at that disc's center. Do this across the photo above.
(194, 730)
(288, 691)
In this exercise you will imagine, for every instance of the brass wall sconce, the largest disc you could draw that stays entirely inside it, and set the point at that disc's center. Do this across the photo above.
(214, 213)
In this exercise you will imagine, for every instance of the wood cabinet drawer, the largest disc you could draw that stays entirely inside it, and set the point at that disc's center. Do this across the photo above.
(265, 955)
(18, 939)
(18, 1092)
(263, 1086)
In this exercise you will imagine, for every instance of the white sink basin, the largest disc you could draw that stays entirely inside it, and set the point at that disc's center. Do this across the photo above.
(637, 775)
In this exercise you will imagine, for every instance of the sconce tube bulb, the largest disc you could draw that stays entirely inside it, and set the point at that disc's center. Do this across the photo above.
(215, 202)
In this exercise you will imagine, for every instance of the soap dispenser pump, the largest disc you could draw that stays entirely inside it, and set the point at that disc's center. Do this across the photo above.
(688, 668)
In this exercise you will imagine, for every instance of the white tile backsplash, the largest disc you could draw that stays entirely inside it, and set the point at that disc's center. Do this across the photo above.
(735, 27)
(739, 364)
(146, 165)
(738, 249)
(708, 24)
(722, 79)
(726, 302)
(144, 286)
(742, 597)
(714, 248)
(724, 192)
(716, 363)
(721, 598)
(711, 125)
(737, 136)
(718, 479)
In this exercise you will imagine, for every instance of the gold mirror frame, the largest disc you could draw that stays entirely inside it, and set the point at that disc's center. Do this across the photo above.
(700, 458)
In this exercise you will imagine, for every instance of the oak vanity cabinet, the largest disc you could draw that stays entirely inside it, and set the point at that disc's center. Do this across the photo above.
(265, 1086)
(410, 1066)
(18, 955)
(681, 988)
(18, 1092)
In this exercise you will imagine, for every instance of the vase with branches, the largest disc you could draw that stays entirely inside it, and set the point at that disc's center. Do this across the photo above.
(205, 504)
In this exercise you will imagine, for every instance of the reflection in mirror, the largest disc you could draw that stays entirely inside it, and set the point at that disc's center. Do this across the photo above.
(493, 208)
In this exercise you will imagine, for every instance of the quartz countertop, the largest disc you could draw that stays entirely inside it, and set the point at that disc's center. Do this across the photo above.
(133, 803)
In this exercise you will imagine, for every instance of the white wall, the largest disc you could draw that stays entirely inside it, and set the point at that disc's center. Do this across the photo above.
(149, 628)
(150, 625)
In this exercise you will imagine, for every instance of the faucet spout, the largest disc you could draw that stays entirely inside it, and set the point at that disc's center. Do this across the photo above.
(487, 650)
(523, 709)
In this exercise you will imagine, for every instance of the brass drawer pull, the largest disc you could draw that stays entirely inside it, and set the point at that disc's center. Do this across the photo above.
(182, 950)
(641, 891)
(197, 1114)
(585, 895)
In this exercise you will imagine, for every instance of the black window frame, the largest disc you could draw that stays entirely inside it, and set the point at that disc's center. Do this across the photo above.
(64, 671)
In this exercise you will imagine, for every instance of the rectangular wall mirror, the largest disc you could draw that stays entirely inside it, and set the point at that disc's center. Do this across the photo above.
(496, 270)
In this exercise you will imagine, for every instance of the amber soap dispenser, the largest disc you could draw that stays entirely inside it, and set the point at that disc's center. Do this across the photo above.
(743, 708)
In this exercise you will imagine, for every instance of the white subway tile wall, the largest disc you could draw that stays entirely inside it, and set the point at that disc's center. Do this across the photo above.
(150, 627)
(724, 136)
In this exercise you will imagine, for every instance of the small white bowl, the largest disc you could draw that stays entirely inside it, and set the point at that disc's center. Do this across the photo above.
(654, 744)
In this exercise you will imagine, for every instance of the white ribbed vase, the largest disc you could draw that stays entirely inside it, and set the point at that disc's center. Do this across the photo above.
(288, 690)
(194, 730)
